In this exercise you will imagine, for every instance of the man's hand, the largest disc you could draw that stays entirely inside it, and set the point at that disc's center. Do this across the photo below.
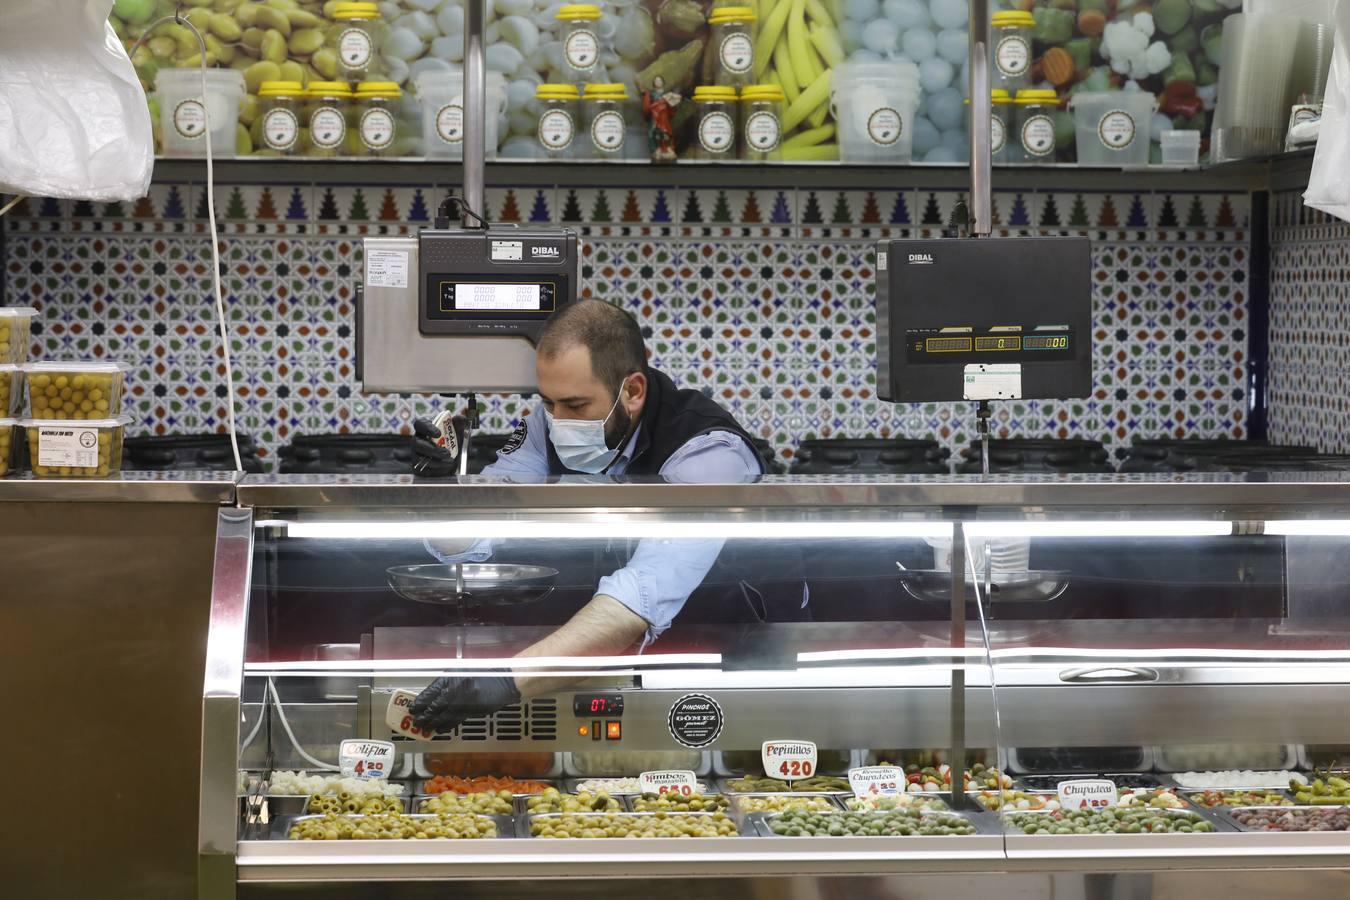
(451, 699)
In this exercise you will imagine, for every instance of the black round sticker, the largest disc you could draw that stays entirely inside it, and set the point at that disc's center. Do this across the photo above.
(695, 720)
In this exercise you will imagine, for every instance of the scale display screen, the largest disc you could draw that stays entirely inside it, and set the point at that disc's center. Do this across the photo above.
(940, 345)
(495, 297)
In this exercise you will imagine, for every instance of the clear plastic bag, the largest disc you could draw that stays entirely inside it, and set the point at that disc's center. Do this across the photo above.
(73, 117)
(1328, 187)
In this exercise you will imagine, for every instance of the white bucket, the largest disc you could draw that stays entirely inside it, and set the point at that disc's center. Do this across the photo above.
(1113, 127)
(441, 95)
(874, 105)
(183, 114)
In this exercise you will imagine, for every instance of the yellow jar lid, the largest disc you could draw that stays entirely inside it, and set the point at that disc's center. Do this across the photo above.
(714, 94)
(606, 92)
(578, 12)
(329, 89)
(389, 89)
(281, 89)
(724, 14)
(762, 93)
(1013, 19)
(998, 97)
(1037, 97)
(356, 11)
(557, 92)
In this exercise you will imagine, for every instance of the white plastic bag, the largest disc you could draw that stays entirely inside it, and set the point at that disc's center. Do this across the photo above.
(1328, 186)
(73, 117)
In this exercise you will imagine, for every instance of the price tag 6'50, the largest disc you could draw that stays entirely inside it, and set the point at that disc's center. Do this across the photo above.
(875, 781)
(681, 782)
(1087, 793)
(365, 759)
(789, 760)
(399, 719)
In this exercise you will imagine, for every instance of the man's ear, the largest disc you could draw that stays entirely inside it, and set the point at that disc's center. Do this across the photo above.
(635, 391)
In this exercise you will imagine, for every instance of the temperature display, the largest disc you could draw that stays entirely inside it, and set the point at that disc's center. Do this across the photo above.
(593, 705)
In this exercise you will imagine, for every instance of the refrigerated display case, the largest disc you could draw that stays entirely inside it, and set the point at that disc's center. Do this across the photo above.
(1043, 630)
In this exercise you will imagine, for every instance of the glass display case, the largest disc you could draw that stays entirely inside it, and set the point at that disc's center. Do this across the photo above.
(1136, 675)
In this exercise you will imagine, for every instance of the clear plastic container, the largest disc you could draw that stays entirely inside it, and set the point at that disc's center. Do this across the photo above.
(327, 118)
(87, 449)
(1035, 126)
(441, 95)
(7, 444)
(1000, 123)
(16, 324)
(716, 123)
(762, 122)
(1010, 49)
(1180, 148)
(278, 127)
(375, 117)
(559, 108)
(1113, 128)
(581, 42)
(62, 391)
(11, 384)
(183, 113)
(606, 119)
(356, 40)
(734, 39)
(874, 106)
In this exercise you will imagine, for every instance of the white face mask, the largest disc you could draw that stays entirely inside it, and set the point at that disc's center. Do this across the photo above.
(580, 443)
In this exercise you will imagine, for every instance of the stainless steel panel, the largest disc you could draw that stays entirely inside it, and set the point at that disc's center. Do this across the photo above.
(126, 487)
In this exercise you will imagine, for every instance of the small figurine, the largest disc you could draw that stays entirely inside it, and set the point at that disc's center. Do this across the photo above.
(659, 105)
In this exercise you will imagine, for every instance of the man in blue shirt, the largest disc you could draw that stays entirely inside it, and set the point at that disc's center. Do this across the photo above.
(602, 410)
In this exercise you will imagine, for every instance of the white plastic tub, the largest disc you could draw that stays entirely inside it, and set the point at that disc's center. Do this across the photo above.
(16, 323)
(874, 105)
(1113, 127)
(183, 114)
(441, 95)
(1180, 148)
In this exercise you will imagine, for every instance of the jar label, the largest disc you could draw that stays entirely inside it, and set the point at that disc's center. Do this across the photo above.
(377, 129)
(189, 118)
(354, 48)
(762, 131)
(998, 135)
(607, 131)
(737, 53)
(450, 123)
(884, 126)
(582, 49)
(1116, 129)
(327, 128)
(280, 129)
(1013, 56)
(1038, 135)
(716, 132)
(556, 130)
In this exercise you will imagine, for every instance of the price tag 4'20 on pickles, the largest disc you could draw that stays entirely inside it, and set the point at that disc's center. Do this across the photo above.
(789, 760)
(876, 781)
(359, 758)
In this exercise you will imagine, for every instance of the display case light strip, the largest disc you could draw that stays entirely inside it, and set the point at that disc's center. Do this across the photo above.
(1089, 528)
(618, 527)
(1309, 527)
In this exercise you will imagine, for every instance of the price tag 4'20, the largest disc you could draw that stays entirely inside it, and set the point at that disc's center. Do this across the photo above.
(359, 758)
(789, 760)
(875, 781)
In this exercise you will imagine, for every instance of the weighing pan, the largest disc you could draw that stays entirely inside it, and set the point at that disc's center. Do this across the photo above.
(1005, 587)
(481, 584)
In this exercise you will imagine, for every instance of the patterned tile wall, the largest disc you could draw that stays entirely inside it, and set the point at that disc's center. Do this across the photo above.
(763, 297)
(1309, 396)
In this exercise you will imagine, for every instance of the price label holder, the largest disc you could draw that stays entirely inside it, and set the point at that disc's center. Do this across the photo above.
(670, 781)
(399, 719)
(876, 781)
(1087, 793)
(365, 759)
(789, 760)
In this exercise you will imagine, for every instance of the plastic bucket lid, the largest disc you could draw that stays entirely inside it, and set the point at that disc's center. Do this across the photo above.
(453, 81)
(901, 70)
(190, 79)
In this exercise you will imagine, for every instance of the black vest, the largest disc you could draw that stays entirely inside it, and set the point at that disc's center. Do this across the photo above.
(671, 418)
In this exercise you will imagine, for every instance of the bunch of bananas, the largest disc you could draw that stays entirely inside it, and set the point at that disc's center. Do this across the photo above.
(797, 47)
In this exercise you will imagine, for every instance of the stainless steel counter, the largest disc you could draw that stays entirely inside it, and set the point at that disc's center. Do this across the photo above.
(128, 487)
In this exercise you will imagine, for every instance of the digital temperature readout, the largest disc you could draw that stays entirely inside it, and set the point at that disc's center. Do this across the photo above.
(597, 705)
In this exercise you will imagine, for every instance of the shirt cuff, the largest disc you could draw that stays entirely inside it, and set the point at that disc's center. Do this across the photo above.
(627, 587)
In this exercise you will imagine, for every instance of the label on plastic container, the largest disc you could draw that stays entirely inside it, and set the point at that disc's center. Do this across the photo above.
(999, 381)
(354, 48)
(1116, 130)
(365, 759)
(1013, 56)
(189, 118)
(327, 128)
(399, 720)
(556, 130)
(280, 129)
(582, 49)
(716, 132)
(998, 135)
(377, 129)
(1038, 135)
(67, 446)
(876, 781)
(1087, 793)
(607, 131)
(450, 123)
(672, 781)
(789, 760)
(762, 131)
(737, 53)
(884, 126)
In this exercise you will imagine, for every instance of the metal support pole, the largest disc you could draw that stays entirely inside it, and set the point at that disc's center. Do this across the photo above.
(957, 759)
(981, 189)
(475, 108)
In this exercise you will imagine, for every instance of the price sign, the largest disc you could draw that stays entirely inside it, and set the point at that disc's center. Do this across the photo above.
(365, 759)
(789, 760)
(1087, 793)
(399, 719)
(876, 781)
(673, 781)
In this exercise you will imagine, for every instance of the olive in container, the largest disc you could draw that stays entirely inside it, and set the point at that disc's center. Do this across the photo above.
(6, 444)
(16, 324)
(75, 390)
(9, 389)
(65, 449)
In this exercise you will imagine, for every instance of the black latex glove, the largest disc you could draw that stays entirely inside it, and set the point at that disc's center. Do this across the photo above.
(451, 699)
(430, 459)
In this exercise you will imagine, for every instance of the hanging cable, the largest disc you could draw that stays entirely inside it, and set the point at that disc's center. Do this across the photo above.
(11, 204)
(286, 726)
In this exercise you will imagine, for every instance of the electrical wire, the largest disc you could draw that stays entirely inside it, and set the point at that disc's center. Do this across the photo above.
(11, 204)
(286, 726)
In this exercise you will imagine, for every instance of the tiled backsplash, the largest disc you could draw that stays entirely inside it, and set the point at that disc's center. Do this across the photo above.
(763, 297)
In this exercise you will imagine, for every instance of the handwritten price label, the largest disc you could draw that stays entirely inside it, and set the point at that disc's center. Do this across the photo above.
(789, 760)
(399, 719)
(673, 781)
(1087, 793)
(365, 759)
(876, 781)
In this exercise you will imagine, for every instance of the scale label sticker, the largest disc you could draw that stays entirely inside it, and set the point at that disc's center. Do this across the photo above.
(883, 258)
(984, 381)
(876, 781)
(365, 759)
(1087, 793)
(671, 781)
(67, 446)
(387, 268)
(789, 760)
(508, 251)
(399, 719)
(695, 720)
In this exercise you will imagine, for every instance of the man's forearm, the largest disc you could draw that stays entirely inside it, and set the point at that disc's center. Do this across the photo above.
(603, 627)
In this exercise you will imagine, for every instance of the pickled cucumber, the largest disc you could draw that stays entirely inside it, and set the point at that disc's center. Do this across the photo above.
(621, 825)
(895, 823)
(392, 827)
(818, 784)
(488, 803)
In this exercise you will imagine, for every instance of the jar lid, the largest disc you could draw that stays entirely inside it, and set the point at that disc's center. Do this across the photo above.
(281, 89)
(343, 11)
(765, 93)
(724, 14)
(714, 94)
(606, 92)
(998, 97)
(329, 89)
(379, 89)
(578, 12)
(1013, 19)
(1037, 97)
(557, 92)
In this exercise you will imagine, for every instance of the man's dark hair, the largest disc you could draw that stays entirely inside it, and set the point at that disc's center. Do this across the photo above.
(610, 334)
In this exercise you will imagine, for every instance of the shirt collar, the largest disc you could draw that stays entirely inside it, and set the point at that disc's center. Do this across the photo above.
(621, 462)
